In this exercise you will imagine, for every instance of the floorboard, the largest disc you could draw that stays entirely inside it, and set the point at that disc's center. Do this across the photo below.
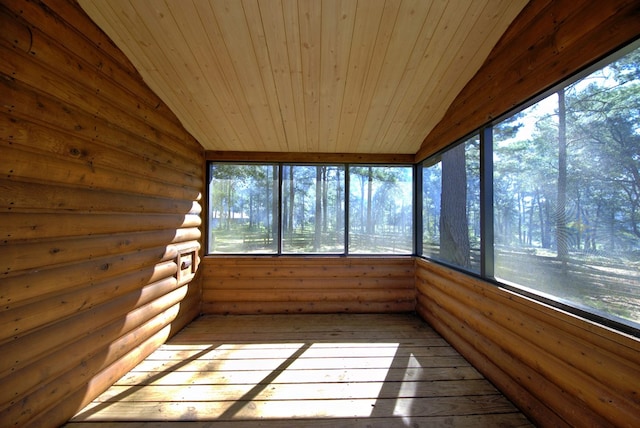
(302, 370)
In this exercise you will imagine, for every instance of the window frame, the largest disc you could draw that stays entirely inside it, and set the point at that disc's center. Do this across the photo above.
(279, 248)
(432, 160)
(413, 168)
(487, 273)
(281, 251)
(207, 206)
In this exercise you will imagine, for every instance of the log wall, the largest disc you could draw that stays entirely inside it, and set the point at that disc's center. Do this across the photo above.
(99, 193)
(559, 369)
(252, 285)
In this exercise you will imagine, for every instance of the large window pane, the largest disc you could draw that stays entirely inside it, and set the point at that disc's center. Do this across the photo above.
(567, 193)
(313, 209)
(451, 206)
(381, 209)
(243, 208)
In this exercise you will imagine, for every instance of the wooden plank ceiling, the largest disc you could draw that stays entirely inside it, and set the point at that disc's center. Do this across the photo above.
(330, 76)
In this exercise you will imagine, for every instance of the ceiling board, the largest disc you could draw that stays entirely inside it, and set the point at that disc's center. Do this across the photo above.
(319, 76)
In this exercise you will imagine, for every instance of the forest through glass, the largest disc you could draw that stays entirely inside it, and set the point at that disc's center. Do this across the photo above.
(451, 206)
(567, 192)
(246, 216)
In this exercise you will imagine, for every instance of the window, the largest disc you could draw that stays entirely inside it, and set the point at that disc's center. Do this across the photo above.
(451, 206)
(304, 209)
(313, 209)
(567, 193)
(243, 208)
(380, 209)
(561, 200)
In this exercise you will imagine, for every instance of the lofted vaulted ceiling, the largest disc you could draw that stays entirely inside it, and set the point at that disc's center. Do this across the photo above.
(331, 76)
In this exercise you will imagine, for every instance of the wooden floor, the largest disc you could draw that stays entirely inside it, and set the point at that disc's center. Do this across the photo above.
(303, 370)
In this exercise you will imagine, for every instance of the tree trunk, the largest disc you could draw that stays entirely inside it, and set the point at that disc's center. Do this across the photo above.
(229, 205)
(562, 240)
(339, 216)
(274, 205)
(454, 231)
(317, 236)
(291, 198)
(612, 230)
(520, 216)
(325, 200)
(530, 234)
(250, 211)
(548, 215)
(544, 237)
(596, 230)
(369, 202)
(579, 221)
(362, 222)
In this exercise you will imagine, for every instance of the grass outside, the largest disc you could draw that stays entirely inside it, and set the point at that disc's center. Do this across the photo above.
(607, 285)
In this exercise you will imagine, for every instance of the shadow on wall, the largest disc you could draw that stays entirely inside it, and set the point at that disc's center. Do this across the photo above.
(101, 188)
